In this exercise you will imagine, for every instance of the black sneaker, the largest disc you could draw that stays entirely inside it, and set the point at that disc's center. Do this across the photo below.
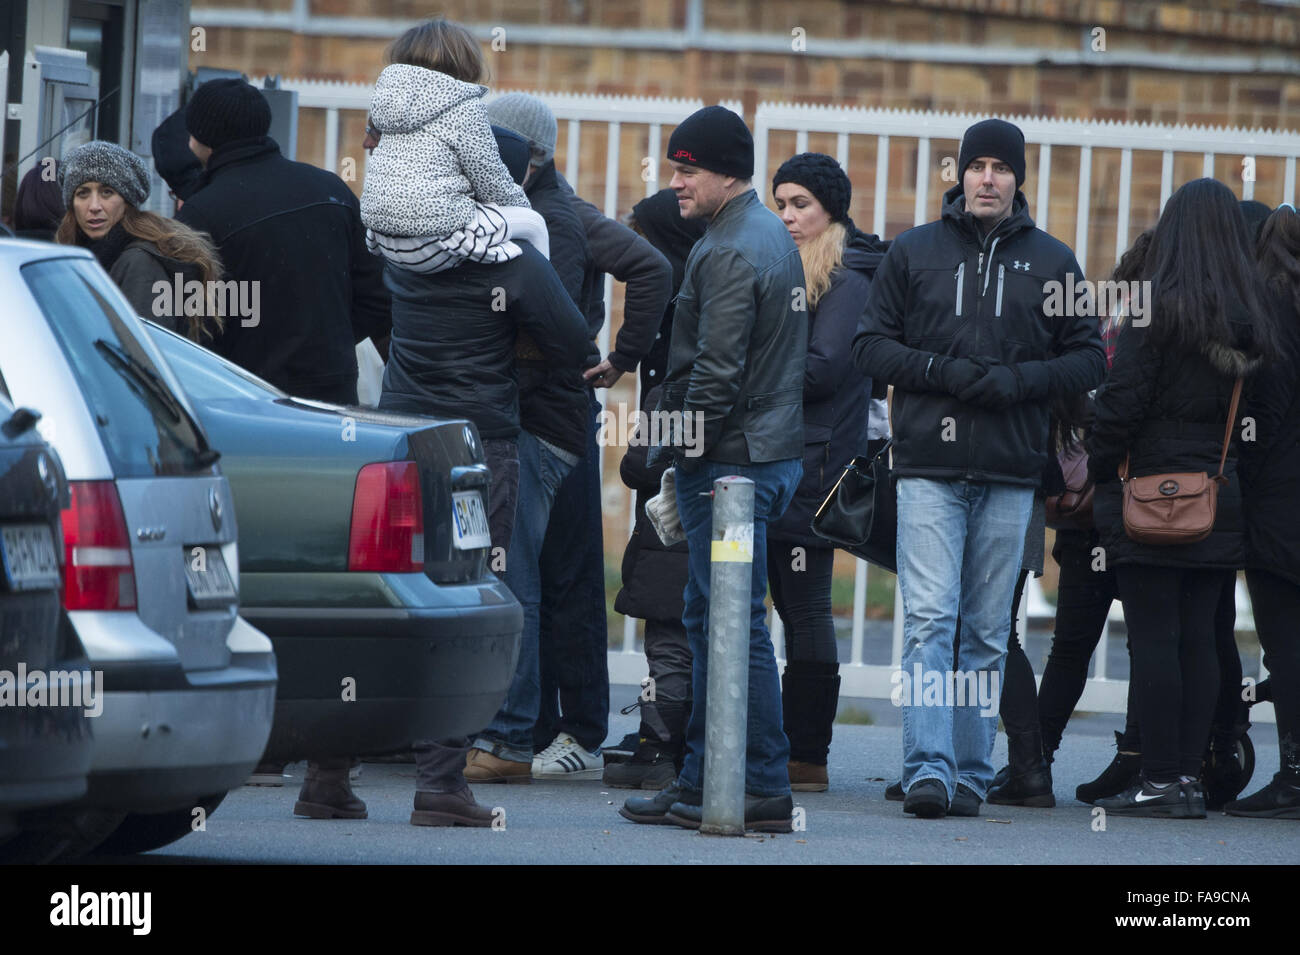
(1032, 788)
(894, 791)
(927, 799)
(1122, 773)
(1194, 793)
(1160, 801)
(653, 810)
(965, 802)
(1280, 799)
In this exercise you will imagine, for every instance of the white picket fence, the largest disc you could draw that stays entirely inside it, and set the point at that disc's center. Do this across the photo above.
(856, 129)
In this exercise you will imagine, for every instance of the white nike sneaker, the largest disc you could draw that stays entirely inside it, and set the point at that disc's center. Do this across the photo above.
(566, 759)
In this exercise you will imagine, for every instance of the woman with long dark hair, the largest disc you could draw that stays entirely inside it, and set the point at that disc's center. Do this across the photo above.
(1164, 408)
(812, 197)
(1270, 470)
(104, 186)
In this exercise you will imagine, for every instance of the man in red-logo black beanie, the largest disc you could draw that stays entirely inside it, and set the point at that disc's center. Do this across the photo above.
(735, 378)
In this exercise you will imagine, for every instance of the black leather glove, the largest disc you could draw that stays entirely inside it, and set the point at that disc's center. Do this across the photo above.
(1000, 387)
(957, 374)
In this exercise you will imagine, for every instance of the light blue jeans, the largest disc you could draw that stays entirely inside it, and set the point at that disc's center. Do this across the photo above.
(959, 549)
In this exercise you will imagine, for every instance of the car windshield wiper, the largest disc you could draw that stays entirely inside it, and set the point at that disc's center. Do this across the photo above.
(157, 389)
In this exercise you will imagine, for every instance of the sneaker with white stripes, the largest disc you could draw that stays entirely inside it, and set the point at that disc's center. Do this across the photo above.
(566, 759)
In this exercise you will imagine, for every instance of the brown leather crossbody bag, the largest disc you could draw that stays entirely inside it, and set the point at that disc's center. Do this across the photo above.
(1176, 508)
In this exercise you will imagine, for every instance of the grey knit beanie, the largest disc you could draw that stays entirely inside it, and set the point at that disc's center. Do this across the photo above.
(107, 163)
(530, 118)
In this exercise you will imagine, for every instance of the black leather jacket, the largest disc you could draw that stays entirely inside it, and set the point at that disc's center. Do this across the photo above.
(739, 341)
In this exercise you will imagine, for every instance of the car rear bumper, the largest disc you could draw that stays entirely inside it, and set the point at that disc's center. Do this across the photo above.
(167, 736)
(44, 757)
(372, 680)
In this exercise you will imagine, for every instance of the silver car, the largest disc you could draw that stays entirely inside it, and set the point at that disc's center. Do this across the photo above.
(151, 587)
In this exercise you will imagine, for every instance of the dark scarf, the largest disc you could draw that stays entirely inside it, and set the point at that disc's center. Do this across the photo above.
(107, 249)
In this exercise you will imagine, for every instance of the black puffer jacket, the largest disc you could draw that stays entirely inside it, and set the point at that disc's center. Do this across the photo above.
(296, 231)
(835, 394)
(1270, 465)
(569, 254)
(452, 354)
(654, 576)
(739, 342)
(946, 290)
(1169, 411)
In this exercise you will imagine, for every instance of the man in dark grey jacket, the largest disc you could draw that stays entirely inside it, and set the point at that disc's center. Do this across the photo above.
(735, 375)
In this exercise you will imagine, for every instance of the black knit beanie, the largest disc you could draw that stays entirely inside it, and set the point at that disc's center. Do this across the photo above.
(996, 138)
(716, 139)
(222, 111)
(179, 167)
(822, 176)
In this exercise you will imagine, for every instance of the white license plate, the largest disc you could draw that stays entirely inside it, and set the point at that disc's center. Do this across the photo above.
(209, 580)
(469, 521)
(29, 558)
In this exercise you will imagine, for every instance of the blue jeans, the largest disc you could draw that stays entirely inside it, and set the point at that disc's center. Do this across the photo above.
(510, 734)
(767, 749)
(574, 635)
(959, 549)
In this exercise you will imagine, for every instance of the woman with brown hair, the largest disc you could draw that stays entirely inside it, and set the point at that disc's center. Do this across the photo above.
(103, 187)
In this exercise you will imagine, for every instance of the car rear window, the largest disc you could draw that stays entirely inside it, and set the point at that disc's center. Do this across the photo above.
(143, 427)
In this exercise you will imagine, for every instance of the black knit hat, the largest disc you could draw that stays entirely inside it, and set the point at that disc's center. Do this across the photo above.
(716, 139)
(515, 152)
(179, 167)
(222, 111)
(822, 176)
(996, 138)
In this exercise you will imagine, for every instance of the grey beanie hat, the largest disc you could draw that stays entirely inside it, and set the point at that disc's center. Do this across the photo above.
(530, 118)
(107, 163)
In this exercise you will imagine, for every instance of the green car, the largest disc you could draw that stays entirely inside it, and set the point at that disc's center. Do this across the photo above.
(364, 556)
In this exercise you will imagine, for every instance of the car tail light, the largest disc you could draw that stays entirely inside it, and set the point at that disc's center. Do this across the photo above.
(387, 519)
(99, 572)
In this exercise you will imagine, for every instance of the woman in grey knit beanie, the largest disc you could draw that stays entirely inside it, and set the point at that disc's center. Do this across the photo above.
(103, 187)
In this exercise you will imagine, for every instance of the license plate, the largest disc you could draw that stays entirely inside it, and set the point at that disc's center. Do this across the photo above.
(29, 559)
(209, 581)
(469, 521)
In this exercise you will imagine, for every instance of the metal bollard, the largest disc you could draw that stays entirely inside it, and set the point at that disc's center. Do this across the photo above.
(726, 717)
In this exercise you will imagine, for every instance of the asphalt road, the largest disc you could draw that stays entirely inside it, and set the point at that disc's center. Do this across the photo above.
(577, 822)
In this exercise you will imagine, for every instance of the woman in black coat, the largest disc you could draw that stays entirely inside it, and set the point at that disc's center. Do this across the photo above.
(1270, 472)
(812, 197)
(1165, 406)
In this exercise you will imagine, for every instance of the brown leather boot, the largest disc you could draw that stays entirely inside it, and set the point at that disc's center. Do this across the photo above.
(807, 777)
(327, 794)
(453, 809)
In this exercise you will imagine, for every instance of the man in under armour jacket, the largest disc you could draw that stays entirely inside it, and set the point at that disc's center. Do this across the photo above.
(956, 322)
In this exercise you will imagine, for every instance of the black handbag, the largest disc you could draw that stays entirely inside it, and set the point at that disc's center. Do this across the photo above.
(860, 514)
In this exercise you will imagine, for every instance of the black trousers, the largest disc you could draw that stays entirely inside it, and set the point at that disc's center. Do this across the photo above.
(1170, 612)
(1083, 600)
(799, 578)
(1276, 602)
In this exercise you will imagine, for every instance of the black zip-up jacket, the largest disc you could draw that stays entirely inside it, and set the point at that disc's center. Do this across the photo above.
(945, 290)
(453, 350)
(296, 231)
(835, 394)
(739, 339)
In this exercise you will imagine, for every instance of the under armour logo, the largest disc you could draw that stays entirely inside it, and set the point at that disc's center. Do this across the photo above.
(1022, 266)
(684, 154)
